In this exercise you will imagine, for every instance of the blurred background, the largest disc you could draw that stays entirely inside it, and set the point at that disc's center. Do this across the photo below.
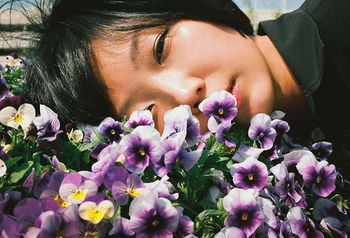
(15, 29)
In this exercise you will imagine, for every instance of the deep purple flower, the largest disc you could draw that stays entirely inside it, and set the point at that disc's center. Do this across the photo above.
(287, 188)
(8, 227)
(140, 118)
(179, 122)
(261, 130)
(318, 176)
(249, 174)
(220, 180)
(301, 225)
(95, 151)
(3, 87)
(123, 188)
(46, 225)
(14, 101)
(151, 216)
(141, 147)
(111, 129)
(52, 188)
(322, 150)
(221, 104)
(121, 227)
(47, 124)
(244, 210)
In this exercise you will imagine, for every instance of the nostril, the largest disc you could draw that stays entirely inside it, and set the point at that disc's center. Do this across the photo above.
(196, 105)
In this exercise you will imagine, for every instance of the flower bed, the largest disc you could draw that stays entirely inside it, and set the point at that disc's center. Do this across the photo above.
(125, 179)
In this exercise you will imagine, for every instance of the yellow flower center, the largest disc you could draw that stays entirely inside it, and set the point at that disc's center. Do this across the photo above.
(244, 217)
(79, 194)
(113, 132)
(318, 180)
(61, 201)
(261, 135)
(221, 111)
(18, 118)
(155, 223)
(90, 235)
(133, 192)
(142, 153)
(95, 215)
(250, 177)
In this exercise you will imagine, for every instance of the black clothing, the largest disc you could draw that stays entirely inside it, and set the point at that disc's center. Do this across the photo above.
(314, 41)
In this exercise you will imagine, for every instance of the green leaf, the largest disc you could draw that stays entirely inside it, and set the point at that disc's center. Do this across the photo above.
(9, 163)
(86, 146)
(20, 172)
(96, 137)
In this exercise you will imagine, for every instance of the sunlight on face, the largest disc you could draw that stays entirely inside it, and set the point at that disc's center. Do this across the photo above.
(160, 68)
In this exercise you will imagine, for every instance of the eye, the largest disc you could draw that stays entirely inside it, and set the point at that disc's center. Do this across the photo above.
(158, 46)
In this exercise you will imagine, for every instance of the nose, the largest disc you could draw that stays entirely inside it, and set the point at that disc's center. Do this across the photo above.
(188, 91)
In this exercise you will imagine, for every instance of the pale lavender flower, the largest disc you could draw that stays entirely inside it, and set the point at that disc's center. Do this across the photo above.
(121, 228)
(111, 129)
(114, 173)
(180, 122)
(163, 188)
(74, 188)
(318, 176)
(221, 131)
(151, 216)
(123, 188)
(230, 232)
(322, 150)
(221, 104)
(244, 151)
(261, 130)
(249, 174)
(301, 225)
(141, 147)
(244, 210)
(140, 118)
(47, 124)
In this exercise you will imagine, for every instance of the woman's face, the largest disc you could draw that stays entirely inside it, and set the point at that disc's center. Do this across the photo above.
(159, 69)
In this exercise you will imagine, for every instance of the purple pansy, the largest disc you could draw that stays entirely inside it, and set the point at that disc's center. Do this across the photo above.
(8, 200)
(53, 187)
(230, 232)
(8, 227)
(322, 150)
(221, 131)
(74, 188)
(301, 225)
(151, 216)
(244, 151)
(249, 174)
(140, 118)
(287, 188)
(244, 210)
(185, 225)
(3, 87)
(318, 176)
(172, 153)
(47, 124)
(121, 227)
(331, 217)
(111, 129)
(180, 122)
(262, 131)
(123, 188)
(141, 147)
(46, 225)
(163, 188)
(220, 104)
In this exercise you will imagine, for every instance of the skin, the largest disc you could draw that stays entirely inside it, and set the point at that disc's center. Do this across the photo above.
(198, 58)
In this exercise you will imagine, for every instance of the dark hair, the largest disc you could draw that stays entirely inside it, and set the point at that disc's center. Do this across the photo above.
(61, 73)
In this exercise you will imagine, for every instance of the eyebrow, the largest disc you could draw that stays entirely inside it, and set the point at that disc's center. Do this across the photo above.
(134, 49)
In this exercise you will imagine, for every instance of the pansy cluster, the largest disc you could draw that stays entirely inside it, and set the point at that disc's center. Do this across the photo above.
(126, 179)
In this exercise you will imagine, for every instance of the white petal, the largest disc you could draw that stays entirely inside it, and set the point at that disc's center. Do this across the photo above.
(7, 117)
(27, 112)
(108, 207)
(3, 168)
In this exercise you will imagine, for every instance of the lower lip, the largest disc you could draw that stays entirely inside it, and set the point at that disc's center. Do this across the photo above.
(236, 92)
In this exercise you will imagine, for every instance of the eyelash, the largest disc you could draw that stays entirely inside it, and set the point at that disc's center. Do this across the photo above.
(149, 108)
(158, 46)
